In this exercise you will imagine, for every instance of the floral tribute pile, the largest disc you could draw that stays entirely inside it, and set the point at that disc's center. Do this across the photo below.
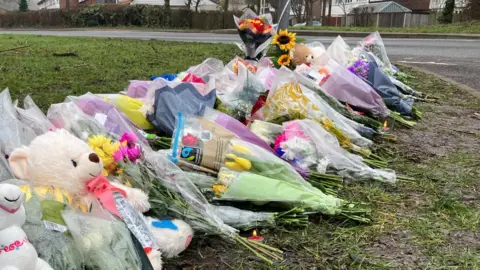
(256, 143)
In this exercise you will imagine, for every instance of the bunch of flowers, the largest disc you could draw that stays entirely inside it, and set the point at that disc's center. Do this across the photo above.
(112, 152)
(284, 42)
(255, 32)
(252, 68)
(359, 68)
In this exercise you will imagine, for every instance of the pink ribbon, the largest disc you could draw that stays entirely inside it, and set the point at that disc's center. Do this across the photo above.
(11, 211)
(101, 188)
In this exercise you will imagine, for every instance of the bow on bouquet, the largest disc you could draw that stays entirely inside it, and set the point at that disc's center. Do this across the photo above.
(256, 33)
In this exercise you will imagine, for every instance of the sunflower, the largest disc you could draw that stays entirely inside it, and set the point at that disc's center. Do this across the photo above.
(284, 60)
(284, 40)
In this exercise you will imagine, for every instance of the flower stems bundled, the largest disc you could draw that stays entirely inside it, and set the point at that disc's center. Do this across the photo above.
(159, 143)
(327, 183)
(168, 189)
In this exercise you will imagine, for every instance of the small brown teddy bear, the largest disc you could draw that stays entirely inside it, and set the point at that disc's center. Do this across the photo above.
(301, 55)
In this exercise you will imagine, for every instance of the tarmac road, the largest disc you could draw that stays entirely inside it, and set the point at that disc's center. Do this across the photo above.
(456, 59)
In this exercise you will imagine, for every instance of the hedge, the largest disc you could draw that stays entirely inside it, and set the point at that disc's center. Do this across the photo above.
(115, 15)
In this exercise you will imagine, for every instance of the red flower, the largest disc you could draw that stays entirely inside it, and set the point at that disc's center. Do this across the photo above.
(189, 140)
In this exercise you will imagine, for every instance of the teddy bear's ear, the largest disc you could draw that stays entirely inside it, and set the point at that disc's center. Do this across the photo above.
(19, 163)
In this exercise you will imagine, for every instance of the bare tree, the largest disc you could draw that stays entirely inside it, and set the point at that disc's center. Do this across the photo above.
(309, 10)
(343, 6)
(188, 4)
(298, 8)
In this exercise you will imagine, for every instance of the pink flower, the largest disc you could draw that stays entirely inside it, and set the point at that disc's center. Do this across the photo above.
(189, 140)
(129, 137)
(280, 139)
(134, 153)
(120, 154)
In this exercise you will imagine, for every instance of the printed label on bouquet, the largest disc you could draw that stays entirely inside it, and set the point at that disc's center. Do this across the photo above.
(54, 226)
(192, 154)
(209, 149)
(134, 221)
(100, 117)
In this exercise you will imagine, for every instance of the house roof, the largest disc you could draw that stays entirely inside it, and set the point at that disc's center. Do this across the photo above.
(385, 7)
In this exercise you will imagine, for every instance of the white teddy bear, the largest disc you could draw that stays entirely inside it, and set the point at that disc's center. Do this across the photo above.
(16, 253)
(59, 159)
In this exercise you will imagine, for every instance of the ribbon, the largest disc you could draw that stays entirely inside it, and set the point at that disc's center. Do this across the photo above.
(101, 188)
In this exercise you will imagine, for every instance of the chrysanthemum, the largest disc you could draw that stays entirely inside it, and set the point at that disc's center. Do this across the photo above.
(284, 40)
(284, 60)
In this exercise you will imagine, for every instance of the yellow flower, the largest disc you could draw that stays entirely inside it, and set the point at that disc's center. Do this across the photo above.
(110, 148)
(230, 156)
(284, 40)
(98, 141)
(234, 166)
(284, 60)
(244, 163)
(219, 189)
(240, 149)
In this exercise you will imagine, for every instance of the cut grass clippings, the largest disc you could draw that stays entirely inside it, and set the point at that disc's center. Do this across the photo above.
(429, 222)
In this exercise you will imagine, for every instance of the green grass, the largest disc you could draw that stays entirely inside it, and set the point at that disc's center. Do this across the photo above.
(430, 223)
(472, 27)
(103, 65)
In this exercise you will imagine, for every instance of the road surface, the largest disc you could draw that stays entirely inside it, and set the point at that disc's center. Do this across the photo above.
(458, 60)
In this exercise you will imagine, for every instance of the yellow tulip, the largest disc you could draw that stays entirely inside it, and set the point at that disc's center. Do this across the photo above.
(231, 156)
(234, 166)
(244, 163)
(241, 149)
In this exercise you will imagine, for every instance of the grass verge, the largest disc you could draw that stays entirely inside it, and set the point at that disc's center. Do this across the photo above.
(472, 27)
(429, 223)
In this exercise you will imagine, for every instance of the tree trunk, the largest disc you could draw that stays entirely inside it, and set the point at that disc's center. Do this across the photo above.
(324, 11)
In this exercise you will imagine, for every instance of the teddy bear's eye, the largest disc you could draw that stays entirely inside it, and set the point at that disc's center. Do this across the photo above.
(74, 163)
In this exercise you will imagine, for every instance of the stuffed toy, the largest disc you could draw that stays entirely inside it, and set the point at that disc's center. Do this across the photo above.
(16, 252)
(301, 55)
(60, 160)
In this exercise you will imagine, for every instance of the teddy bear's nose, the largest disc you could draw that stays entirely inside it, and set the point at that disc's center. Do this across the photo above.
(94, 158)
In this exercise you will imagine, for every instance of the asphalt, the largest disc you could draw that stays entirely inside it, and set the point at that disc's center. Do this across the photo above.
(456, 59)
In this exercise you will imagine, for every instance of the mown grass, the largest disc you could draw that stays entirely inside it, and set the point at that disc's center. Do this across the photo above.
(472, 27)
(429, 223)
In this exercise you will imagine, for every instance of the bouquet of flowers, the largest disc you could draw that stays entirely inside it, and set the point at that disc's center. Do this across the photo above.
(251, 174)
(359, 68)
(256, 33)
(283, 42)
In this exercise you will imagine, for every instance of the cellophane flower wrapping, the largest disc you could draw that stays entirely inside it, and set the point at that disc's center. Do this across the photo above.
(70, 117)
(14, 133)
(138, 89)
(374, 44)
(240, 101)
(113, 121)
(47, 231)
(252, 174)
(287, 101)
(337, 107)
(193, 207)
(347, 165)
(345, 86)
(383, 85)
(200, 141)
(106, 243)
(340, 51)
(33, 117)
(266, 131)
(256, 32)
(347, 126)
(244, 219)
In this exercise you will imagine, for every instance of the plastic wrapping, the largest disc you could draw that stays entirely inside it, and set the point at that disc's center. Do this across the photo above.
(112, 120)
(13, 133)
(138, 89)
(239, 102)
(130, 107)
(256, 33)
(244, 219)
(340, 51)
(374, 44)
(48, 232)
(195, 208)
(33, 117)
(266, 131)
(106, 244)
(348, 165)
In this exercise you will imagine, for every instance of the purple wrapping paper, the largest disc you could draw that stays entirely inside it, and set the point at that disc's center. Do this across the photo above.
(137, 89)
(236, 127)
(115, 121)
